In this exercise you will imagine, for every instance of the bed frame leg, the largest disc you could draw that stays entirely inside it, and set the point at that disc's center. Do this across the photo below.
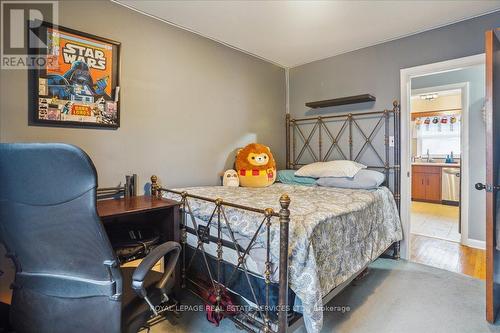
(397, 249)
(284, 216)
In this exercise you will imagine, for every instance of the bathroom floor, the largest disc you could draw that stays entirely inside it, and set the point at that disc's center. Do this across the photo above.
(435, 220)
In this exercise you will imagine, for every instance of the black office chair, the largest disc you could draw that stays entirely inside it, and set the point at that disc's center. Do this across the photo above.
(67, 277)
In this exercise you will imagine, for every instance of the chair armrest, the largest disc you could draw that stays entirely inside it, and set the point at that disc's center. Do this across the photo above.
(150, 260)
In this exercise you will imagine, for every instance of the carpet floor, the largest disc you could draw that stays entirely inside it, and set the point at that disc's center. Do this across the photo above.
(395, 296)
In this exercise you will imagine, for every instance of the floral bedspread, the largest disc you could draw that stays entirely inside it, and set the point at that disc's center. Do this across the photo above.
(333, 232)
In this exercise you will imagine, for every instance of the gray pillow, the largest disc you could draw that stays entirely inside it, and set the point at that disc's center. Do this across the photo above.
(363, 179)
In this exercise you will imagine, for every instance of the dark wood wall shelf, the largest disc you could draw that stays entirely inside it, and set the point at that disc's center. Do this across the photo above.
(341, 101)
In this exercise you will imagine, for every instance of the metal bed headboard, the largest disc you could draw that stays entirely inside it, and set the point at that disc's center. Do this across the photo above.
(297, 143)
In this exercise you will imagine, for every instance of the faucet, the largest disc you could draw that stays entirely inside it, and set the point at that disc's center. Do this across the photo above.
(429, 159)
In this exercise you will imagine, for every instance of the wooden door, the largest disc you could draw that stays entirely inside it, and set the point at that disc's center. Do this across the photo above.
(433, 187)
(418, 186)
(492, 50)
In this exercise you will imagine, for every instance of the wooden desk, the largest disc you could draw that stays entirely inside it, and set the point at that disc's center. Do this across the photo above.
(132, 205)
(161, 213)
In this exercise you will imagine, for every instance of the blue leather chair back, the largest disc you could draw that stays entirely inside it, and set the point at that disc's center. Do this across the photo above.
(65, 265)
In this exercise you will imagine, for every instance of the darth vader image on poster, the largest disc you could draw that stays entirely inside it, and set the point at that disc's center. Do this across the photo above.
(79, 83)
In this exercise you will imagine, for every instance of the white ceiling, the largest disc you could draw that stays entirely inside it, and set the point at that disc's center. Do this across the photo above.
(291, 33)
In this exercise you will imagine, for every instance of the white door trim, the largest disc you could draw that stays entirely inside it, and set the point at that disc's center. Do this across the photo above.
(406, 75)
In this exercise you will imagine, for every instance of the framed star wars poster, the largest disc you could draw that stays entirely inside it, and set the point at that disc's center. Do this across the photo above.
(76, 83)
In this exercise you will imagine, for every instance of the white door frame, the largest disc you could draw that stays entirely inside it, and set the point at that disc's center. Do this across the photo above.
(406, 75)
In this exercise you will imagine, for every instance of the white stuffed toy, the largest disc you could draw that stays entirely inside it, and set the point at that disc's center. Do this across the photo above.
(231, 178)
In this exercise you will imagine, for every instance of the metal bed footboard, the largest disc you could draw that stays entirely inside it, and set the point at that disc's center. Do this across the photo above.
(261, 321)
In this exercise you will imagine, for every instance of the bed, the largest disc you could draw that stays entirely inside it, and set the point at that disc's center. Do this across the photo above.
(282, 260)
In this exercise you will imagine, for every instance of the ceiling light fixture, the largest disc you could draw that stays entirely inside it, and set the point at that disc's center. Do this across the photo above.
(429, 97)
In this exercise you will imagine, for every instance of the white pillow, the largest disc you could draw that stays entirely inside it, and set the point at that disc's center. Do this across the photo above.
(338, 168)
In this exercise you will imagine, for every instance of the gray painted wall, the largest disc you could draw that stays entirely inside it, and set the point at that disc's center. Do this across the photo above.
(186, 102)
(477, 139)
(376, 70)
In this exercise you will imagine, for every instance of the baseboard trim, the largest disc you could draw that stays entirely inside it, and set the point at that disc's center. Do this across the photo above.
(477, 244)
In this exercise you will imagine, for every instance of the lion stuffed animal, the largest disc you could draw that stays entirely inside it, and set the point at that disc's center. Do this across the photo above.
(255, 166)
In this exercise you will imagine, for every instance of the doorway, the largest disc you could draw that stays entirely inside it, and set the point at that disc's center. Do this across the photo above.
(436, 122)
(435, 194)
